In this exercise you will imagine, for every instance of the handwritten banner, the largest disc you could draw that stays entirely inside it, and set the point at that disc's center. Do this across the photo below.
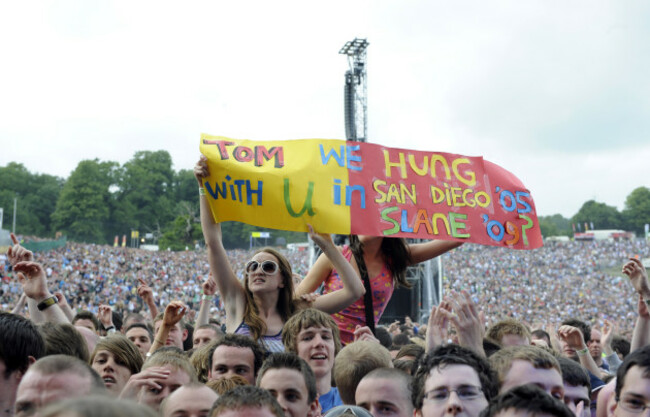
(368, 189)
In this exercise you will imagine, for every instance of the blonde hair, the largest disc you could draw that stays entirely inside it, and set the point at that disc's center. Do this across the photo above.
(508, 326)
(354, 362)
(173, 359)
(501, 361)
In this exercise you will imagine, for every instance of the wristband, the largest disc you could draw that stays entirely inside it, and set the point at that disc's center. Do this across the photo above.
(582, 352)
(48, 302)
(110, 329)
(201, 191)
(206, 297)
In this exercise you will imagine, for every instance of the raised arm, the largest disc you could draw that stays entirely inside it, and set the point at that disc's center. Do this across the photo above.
(319, 271)
(32, 277)
(608, 333)
(146, 293)
(65, 306)
(15, 254)
(438, 326)
(641, 332)
(352, 290)
(573, 337)
(20, 305)
(209, 289)
(421, 252)
(230, 289)
(174, 312)
(635, 270)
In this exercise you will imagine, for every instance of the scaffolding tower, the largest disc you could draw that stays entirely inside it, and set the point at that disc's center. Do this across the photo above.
(355, 93)
(426, 277)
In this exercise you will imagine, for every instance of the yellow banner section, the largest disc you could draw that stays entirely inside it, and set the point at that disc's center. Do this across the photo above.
(275, 184)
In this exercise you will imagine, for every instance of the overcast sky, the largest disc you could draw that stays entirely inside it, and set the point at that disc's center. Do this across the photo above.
(556, 92)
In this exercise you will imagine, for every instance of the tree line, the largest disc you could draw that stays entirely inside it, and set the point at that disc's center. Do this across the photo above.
(103, 199)
(635, 214)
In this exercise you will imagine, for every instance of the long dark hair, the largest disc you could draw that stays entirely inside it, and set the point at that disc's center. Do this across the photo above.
(394, 252)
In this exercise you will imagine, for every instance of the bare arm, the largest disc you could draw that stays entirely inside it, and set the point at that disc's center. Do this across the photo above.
(65, 307)
(421, 252)
(635, 270)
(574, 338)
(229, 287)
(467, 320)
(209, 288)
(641, 333)
(146, 293)
(318, 273)
(16, 254)
(438, 325)
(20, 305)
(32, 277)
(352, 285)
(173, 314)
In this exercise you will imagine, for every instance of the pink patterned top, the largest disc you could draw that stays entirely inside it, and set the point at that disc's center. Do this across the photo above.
(347, 319)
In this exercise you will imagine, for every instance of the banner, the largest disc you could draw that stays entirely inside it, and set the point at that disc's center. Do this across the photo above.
(367, 189)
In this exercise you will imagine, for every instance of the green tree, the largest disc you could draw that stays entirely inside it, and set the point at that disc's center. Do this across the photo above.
(36, 196)
(555, 225)
(145, 197)
(185, 186)
(600, 214)
(637, 209)
(184, 231)
(83, 207)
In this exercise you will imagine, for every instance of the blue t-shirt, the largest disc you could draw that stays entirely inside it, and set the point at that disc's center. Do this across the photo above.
(330, 400)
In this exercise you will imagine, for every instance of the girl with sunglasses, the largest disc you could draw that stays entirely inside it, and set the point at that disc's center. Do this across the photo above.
(265, 300)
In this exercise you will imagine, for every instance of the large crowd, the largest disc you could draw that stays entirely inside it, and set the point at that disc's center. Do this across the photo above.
(89, 275)
(104, 331)
(549, 284)
(538, 287)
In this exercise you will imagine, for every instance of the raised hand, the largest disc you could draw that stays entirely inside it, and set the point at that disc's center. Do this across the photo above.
(61, 299)
(608, 332)
(174, 313)
(310, 297)
(638, 276)
(438, 326)
(364, 333)
(468, 321)
(209, 286)
(17, 253)
(201, 170)
(145, 292)
(146, 378)
(572, 336)
(105, 315)
(321, 239)
(32, 277)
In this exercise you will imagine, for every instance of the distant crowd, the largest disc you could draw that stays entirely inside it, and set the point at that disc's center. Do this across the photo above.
(547, 285)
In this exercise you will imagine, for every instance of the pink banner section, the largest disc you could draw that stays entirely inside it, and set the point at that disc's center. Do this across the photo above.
(433, 195)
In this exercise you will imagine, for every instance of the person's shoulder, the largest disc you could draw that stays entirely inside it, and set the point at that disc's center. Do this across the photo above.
(330, 399)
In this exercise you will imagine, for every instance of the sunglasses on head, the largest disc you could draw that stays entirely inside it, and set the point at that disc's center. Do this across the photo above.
(268, 267)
